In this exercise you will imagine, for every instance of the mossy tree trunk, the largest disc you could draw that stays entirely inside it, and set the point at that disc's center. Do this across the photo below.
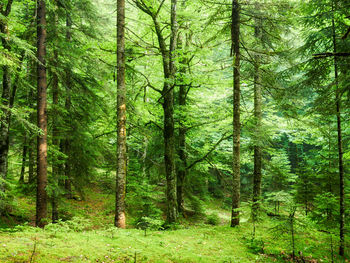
(120, 220)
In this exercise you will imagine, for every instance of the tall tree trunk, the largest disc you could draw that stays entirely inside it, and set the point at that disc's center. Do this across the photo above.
(55, 129)
(41, 200)
(235, 31)
(169, 127)
(168, 61)
(67, 143)
(258, 117)
(5, 96)
(340, 144)
(55, 140)
(121, 119)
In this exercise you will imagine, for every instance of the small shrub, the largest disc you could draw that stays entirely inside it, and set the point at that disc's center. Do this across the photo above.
(149, 223)
(196, 205)
(77, 224)
(256, 245)
(213, 219)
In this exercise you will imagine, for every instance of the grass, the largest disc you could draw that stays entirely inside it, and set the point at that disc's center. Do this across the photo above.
(90, 237)
(198, 244)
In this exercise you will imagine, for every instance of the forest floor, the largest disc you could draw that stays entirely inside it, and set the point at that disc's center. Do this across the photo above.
(91, 237)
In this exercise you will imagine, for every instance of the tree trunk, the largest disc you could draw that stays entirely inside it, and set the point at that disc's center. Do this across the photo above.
(5, 96)
(67, 143)
(55, 139)
(340, 145)
(168, 61)
(24, 158)
(121, 119)
(169, 127)
(258, 117)
(235, 31)
(41, 201)
(169, 153)
(182, 95)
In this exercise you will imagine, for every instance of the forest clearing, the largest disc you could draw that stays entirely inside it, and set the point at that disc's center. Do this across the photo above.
(174, 131)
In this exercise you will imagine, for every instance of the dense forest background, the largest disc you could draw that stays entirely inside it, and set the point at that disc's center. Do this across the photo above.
(175, 115)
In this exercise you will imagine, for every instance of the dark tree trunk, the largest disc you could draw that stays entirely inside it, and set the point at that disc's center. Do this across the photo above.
(41, 201)
(5, 96)
(121, 119)
(24, 159)
(169, 128)
(67, 143)
(169, 153)
(340, 146)
(55, 139)
(168, 61)
(258, 117)
(235, 31)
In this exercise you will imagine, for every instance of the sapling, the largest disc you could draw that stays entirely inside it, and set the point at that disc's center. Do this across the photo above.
(325, 213)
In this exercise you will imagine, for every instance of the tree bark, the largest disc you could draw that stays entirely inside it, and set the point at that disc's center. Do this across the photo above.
(235, 31)
(120, 220)
(41, 201)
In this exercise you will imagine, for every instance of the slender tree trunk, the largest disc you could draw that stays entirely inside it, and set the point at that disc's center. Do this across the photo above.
(340, 145)
(235, 31)
(67, 143)
(24, 159)
(258, 118)
(41, 201)
(121, 119)
(55, 138)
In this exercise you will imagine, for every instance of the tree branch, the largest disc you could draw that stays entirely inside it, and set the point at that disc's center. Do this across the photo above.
(330, 54)
(224, 137)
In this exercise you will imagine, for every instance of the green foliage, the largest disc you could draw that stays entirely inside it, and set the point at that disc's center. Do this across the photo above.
(256, 245)
(76, 224)
(213, 219)
(142, 204)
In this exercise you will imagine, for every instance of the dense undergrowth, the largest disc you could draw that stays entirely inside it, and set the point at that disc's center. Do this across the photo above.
(87, 235)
